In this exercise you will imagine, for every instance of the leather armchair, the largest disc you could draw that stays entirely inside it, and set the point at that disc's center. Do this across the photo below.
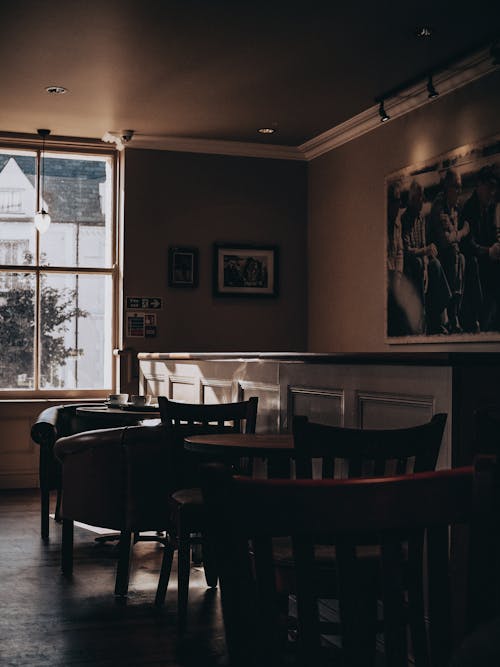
(52, 423)
(119, 479)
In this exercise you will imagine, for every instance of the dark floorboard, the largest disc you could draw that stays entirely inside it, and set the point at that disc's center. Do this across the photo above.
(47, 620)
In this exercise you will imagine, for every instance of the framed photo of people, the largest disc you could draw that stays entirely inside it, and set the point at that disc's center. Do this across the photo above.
(443, 248)
(243, 270)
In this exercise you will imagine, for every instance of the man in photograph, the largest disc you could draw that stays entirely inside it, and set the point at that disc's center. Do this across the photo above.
(482, 248)
(447, 229)
(423, 268)
(396, 321)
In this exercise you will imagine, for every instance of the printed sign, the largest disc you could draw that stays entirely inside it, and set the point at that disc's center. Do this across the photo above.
(135, 325)
(143, 303)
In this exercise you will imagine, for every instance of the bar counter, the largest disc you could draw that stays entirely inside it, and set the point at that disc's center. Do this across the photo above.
(383, 390)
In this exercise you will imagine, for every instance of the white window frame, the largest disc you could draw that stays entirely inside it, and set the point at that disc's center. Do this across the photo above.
(84, 148)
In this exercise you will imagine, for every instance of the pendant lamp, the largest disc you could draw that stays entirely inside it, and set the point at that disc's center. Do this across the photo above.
(42, 218)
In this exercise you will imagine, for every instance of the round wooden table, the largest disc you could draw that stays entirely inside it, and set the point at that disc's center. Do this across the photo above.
(276, 448)
(109, 417)
(240, 444)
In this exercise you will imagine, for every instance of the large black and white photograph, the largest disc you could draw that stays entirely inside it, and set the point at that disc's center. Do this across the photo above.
(443, 247)
(245, 270)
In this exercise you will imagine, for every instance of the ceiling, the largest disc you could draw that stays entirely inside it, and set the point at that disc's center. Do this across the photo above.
(219, 70)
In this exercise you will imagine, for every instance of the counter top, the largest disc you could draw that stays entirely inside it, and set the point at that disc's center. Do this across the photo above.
(382, 358)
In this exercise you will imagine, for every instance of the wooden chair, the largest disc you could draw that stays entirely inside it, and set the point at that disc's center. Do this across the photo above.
(52, 423)
(336, 452)
(387, 512)
(187, 508)
(347, 452)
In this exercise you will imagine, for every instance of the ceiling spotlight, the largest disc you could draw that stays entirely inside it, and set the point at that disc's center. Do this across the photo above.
(266, 130)
(424, 32)
(382, 113)
(430, 89)
(56, 90)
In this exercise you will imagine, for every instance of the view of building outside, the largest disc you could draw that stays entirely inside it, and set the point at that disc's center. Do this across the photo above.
(69, 275)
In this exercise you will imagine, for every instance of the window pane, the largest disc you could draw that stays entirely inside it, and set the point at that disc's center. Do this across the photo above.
(77, 193)
(17, 312)
(17, 207)
(76, 326)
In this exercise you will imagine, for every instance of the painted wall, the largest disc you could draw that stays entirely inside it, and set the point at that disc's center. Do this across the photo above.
(185, 199)
(346, 252)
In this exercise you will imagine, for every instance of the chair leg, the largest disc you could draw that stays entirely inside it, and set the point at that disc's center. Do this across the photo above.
(57, 514)
(166, 567)
(67, 547)
(209, 562)
(123, 567)
(183, 562)
(416, 606)
(196, 551)
(44, 513)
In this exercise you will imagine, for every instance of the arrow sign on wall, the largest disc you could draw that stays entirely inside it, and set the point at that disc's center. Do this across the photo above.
(143, 303)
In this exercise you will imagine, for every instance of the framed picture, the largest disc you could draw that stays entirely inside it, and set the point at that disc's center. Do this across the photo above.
(443, 248)
(241, 270)
(183, 267)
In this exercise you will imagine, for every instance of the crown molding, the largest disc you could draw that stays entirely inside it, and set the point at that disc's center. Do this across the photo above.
(214, 147)
(460, 74)
(454, 77)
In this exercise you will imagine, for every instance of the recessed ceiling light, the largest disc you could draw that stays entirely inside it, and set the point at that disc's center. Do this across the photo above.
(56, 90)
(266, 130)
(424, 32)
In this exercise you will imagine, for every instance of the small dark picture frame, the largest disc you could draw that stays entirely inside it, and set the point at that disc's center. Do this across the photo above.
(182, 267)
(245, 270)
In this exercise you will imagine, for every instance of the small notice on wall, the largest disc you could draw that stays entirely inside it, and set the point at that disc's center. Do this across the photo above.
(135, 325)
(143, 303)
(150, 325)
(141, 325)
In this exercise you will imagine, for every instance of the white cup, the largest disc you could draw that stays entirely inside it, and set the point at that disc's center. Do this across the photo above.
(117, 399)
(140, 401)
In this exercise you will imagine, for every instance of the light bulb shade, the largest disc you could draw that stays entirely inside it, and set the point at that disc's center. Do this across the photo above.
(42, 221)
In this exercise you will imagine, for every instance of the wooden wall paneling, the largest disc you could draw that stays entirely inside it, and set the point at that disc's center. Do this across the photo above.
(325, 406)
(186, 389)
(154, 384)
(385, 410)
(215, 391)
(268, 411)
(18, 455)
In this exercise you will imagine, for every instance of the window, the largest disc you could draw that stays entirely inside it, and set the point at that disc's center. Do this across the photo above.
(11, 202)
(57, 289)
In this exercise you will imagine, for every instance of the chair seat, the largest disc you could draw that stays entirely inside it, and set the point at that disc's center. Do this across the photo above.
(189, 504)
(323, 553)
(325, 574)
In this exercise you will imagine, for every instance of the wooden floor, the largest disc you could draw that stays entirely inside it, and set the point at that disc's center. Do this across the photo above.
(47, 620)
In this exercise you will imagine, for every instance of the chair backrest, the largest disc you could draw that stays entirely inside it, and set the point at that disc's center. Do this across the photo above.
(200, 416)
(59, 421)
(347, 452)
(52, 423)
(116, 478)
(183, 419)
(383, 511)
